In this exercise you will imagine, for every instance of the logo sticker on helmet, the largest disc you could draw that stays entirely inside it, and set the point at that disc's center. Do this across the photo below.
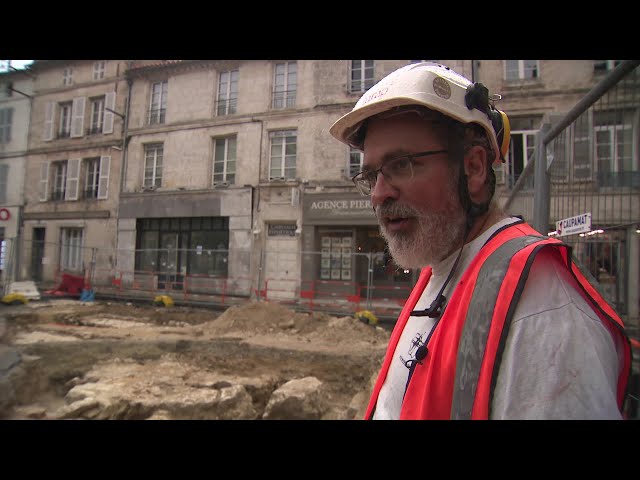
(441, 87)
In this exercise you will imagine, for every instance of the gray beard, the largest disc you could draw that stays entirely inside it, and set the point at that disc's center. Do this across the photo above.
(437, 235)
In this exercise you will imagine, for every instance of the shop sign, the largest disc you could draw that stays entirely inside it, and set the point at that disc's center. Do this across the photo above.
(333, 207)
(573, 225)
(282, 230)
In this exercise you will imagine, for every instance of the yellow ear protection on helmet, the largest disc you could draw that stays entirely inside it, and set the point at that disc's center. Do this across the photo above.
(503, 131)
(477, 96)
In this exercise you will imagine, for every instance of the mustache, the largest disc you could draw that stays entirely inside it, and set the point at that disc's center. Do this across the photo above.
(394, 209)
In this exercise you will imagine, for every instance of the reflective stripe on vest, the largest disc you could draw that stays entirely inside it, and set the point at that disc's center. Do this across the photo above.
(476, 327)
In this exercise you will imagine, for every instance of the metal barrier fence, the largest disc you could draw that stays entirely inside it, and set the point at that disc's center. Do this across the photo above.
(337, 283)
(582, 182)
(224, 277)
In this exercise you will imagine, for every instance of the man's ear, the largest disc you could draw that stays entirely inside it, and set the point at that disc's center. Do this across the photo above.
(475, 167)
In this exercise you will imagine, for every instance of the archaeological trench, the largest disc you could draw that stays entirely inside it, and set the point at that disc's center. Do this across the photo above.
(65, 359)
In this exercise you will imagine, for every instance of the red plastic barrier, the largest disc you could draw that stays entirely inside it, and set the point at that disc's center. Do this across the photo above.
(70, 285)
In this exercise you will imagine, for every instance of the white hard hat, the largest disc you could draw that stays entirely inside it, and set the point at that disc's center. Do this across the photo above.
(436, 87)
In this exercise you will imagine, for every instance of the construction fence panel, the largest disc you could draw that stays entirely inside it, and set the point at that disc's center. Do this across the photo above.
(336, 281)
(339, 282)
(215, 276)
(585, 174)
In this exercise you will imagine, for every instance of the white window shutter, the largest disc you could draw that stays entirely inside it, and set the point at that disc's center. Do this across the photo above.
(44, 181)
(73, 175)
(107, 122)
(47, 132)
(103, 181)
(4, 175)
(77, 116)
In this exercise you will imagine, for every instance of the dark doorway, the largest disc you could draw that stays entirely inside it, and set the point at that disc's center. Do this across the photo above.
(37, 253)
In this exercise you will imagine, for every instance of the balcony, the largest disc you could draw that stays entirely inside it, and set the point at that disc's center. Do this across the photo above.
(227, 107)
(619, 179)
(94, 130)
(286, 99)
(57, 195)
(157, 115)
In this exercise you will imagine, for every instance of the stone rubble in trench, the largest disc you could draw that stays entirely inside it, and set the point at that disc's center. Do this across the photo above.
(180, 364)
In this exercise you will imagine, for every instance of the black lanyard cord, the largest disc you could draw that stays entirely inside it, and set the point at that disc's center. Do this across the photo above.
(435, 310)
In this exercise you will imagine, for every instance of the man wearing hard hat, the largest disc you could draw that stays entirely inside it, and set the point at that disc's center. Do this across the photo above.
(501, 323)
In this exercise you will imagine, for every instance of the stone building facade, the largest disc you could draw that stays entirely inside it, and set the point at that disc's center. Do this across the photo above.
(207, 169)
(72, 165)
(16, 91)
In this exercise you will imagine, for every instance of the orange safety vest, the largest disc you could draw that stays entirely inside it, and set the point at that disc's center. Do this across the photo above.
(457, 383)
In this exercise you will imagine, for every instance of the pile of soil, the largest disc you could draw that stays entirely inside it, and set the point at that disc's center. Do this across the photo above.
(269, 319)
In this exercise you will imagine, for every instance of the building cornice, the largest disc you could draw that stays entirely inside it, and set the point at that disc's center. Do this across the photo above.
(72, 215)
(116, 142)
(143, 68)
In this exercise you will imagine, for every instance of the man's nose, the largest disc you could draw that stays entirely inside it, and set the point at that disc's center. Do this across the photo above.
(382, 190)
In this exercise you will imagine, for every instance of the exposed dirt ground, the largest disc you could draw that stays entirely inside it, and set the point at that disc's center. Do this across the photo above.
(142, 351)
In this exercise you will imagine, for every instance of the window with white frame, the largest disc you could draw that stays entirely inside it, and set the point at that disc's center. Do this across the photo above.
(227, 92)
(75, 179)
(614, 161)
(153, 154)
(97, 115)
(59, 180)
(285, 85)
(67, 76)
(4, 175)
(355, 162)
(71, 240)
(282, 165)
(158, 102)
(70, 117)
(224, 161)
(92, 177)
(521, 147)
(361, 76)
(64, 125)
(579, 145)
(99, 69)
(521, 70)
(6, 118)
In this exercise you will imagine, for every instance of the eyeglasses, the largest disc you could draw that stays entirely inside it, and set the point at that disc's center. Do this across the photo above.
(398, 169)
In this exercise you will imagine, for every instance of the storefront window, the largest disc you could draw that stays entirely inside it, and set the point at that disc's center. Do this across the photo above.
(336, 259)
(200, 245)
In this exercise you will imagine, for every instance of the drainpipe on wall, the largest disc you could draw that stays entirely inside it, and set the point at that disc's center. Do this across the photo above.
(257, 188)
(20, 234)
(255, 230)
(125, 136)
(124, 150)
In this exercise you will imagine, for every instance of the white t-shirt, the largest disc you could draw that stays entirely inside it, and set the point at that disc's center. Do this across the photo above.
(559, 362)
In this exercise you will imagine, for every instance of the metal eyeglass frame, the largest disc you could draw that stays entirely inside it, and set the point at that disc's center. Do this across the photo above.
(365, 181)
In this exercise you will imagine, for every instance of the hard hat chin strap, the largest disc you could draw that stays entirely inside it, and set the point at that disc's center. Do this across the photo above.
(471, 209)
(457, 150)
